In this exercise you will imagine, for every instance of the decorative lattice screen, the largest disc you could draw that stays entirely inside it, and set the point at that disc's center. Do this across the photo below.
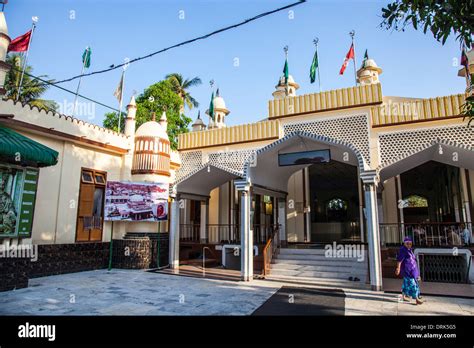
(395, 146)
(352, 129)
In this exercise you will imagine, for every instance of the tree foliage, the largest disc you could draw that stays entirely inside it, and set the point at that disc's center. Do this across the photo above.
(156, 98)
(441, 17)
(31, 89)
(181, 86)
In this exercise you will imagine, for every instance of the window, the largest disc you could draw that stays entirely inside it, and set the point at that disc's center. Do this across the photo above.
(99, 179)
(91, 205)
(337, 204)
(87, 177)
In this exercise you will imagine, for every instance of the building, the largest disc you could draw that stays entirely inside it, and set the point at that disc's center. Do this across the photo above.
(349, 166)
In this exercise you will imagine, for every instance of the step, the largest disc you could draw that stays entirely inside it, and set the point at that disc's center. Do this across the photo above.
(290, 251)
(324, 282)
(335, 268)
(308, 257)
(325, 262)
(319, 274)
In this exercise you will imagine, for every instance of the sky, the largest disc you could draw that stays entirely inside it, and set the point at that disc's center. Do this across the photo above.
(245, 63)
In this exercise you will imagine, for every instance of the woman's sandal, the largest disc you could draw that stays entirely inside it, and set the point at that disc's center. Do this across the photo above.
(419, 301)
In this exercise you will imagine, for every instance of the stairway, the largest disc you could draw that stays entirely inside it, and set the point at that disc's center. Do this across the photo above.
(311, 265)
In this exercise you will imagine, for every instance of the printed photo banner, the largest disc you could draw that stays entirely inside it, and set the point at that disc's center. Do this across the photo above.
(136, 201)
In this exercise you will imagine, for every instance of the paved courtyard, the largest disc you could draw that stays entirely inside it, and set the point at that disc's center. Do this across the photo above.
(133, 292)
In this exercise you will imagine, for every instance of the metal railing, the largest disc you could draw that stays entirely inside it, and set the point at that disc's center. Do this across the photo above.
(270, 250)
(434, 234)
(224, 233)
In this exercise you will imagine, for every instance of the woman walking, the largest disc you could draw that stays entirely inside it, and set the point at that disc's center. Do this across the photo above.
(407, 267)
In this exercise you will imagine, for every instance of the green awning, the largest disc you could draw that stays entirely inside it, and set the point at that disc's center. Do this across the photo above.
(18, 149)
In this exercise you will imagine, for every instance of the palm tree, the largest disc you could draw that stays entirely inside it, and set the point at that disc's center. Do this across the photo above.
(180, 87)
(31, 88)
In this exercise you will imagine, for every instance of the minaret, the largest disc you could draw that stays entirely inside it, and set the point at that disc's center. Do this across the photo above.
(369, 72)
(462, 72)
(4, 43)
(198, 125)
(286, 87)
(130, 119)
(164, 121)
(220, 112)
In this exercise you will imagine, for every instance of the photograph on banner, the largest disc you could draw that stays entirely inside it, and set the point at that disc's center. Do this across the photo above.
(134, 201)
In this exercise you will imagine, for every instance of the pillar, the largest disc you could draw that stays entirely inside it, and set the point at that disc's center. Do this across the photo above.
(465, 199)
(174, 234)
(203, 224)
(246, 233)
(282, 221)
(373, 235)
(307, 205)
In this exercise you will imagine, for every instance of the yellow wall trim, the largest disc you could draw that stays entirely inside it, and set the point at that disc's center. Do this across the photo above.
(329, 100)
(420, 110)
(230, 135)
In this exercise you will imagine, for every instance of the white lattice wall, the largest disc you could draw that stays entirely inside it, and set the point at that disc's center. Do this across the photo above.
(189, 162)
(351, 129)
(397, 145)
(234, 160)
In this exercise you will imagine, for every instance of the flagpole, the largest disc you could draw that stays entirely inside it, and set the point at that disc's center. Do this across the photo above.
(78, 85)
(286, 62)
(352, 34)
(33, 26)
(121, 98)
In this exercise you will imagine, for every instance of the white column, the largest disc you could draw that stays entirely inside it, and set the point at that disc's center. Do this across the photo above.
(465, 199)
(361, 207)
(282, 220)
(246, 233)
(307, 205)
(203, 225)
(373, 236)
(174, 235)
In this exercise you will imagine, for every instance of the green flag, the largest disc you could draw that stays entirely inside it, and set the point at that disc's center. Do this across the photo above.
(86, 57)
(314, 67)
(211, 107)
(366, 57)
(285, 70)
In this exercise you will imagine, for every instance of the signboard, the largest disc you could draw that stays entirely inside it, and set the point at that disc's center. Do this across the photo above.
(18, 188)
(136, 201)
(304, 157)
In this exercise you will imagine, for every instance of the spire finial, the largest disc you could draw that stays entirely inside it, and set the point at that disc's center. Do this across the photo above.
(199, 115)
(217, 92)
(153, 116)
(286, 51)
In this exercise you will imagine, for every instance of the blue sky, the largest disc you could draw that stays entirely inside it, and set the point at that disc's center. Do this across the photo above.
(414, 64)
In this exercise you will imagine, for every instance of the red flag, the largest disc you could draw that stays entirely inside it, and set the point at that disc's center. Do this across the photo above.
(350, 55)
(21, 43)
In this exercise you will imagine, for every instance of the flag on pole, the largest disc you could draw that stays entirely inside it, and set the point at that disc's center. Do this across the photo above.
(286, 71)
(211, 107)
(86, 57)
(350, 55)
(314, 67)
(21, 43)
(118, 90)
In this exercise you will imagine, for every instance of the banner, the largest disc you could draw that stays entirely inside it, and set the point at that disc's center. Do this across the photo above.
(134, 201)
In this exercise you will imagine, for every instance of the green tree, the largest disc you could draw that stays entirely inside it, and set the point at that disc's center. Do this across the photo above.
(31, 89)
(442, 18)
(156, 98)
(181, 86)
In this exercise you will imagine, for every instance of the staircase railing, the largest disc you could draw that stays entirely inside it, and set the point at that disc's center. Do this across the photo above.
(271, 249)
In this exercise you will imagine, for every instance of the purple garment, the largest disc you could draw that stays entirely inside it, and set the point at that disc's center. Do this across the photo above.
(409, 268)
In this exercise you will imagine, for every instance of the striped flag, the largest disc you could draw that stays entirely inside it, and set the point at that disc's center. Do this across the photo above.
(350, 55)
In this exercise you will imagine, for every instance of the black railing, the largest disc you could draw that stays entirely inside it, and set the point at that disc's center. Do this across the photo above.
(224, 233)
(436, 234)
